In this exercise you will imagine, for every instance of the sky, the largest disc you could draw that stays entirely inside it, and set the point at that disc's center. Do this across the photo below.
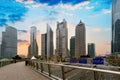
(23, 14)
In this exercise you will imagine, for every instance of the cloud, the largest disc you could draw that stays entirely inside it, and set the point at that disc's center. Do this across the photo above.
(22, 41)
(11, 11)
(36, 5)
(89, 7)
(52, 15)
(26, 1)
(56, 2)
(67, 4)
(72, 7)
(106, 11)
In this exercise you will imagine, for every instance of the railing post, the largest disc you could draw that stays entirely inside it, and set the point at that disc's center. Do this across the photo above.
(95, 75)
(37, 65)
(63, 73)
(0, 64)
(41, 65)
(49, 71)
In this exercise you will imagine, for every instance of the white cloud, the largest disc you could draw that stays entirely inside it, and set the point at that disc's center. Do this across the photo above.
(26, 2)
(72, 7)
(89, 7)
(36, 5)
(106, 11)
(65, 6)
(20, 1)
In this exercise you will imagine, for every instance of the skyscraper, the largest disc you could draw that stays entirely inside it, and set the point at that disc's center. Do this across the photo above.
(33, 47)
(62, 39)
(91, 49)
(72, 46)
(49, 42)
(9, 43)
(80, 40)
(0, 51)
(116, 27)
(44, 45)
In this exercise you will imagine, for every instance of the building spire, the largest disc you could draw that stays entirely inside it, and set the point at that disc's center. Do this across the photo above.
(80, 21)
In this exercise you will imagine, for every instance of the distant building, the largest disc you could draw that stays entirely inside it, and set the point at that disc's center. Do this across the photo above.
(115, 27)
(80, 40)
(62, 39)
(9, 43)
(44, 45)
(91, 49)
(33, 47)
(72, 46)
(0, 51)
(49, 42)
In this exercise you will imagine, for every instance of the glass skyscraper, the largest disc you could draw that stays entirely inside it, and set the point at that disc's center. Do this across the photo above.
(72, 46)
(91, 49)
(115, 27)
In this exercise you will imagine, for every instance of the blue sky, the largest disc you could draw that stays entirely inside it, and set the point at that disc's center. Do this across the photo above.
(22, 14)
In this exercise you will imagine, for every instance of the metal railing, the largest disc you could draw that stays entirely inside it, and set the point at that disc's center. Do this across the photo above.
(70, 72)
(4, 63)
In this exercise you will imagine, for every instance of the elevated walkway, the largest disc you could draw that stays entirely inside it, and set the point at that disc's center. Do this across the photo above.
(18, 71)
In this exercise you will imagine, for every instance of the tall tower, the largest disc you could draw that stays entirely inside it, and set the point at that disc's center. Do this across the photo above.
(62, 39)
(72, 46)
(80, 40)
(9, 43)
(0, 51)
(49, 42)
(91, 49)
(115, 27)
(44, 45)
(33, 47)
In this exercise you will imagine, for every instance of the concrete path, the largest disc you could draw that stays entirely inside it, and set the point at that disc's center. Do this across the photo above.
(18, 71)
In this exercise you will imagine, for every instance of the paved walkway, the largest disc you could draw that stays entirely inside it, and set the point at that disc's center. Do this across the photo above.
(19, 71)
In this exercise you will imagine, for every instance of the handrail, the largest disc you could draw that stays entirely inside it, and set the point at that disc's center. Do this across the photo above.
(32, 63)
(84, 68)
(3, 63)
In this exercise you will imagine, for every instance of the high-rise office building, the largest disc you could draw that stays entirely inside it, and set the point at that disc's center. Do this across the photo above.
(91, 49)
(9, 43)
(49, 42)
(72, 46)
(0, 51)
(80, 40)
(33, 47)
(116, 27)
(44, 45)
(62, 39)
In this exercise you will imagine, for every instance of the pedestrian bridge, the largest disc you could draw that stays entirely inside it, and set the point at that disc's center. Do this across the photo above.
(18, 71)
(36, 70)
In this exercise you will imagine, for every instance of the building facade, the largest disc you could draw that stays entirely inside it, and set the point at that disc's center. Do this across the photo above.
(115, 27)
(44, 45)
(80, 40)
(9, 43)
(72, 46)
(33, 47)
(62, 39)
(49, 42)
(0, 51)
(91, 49)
